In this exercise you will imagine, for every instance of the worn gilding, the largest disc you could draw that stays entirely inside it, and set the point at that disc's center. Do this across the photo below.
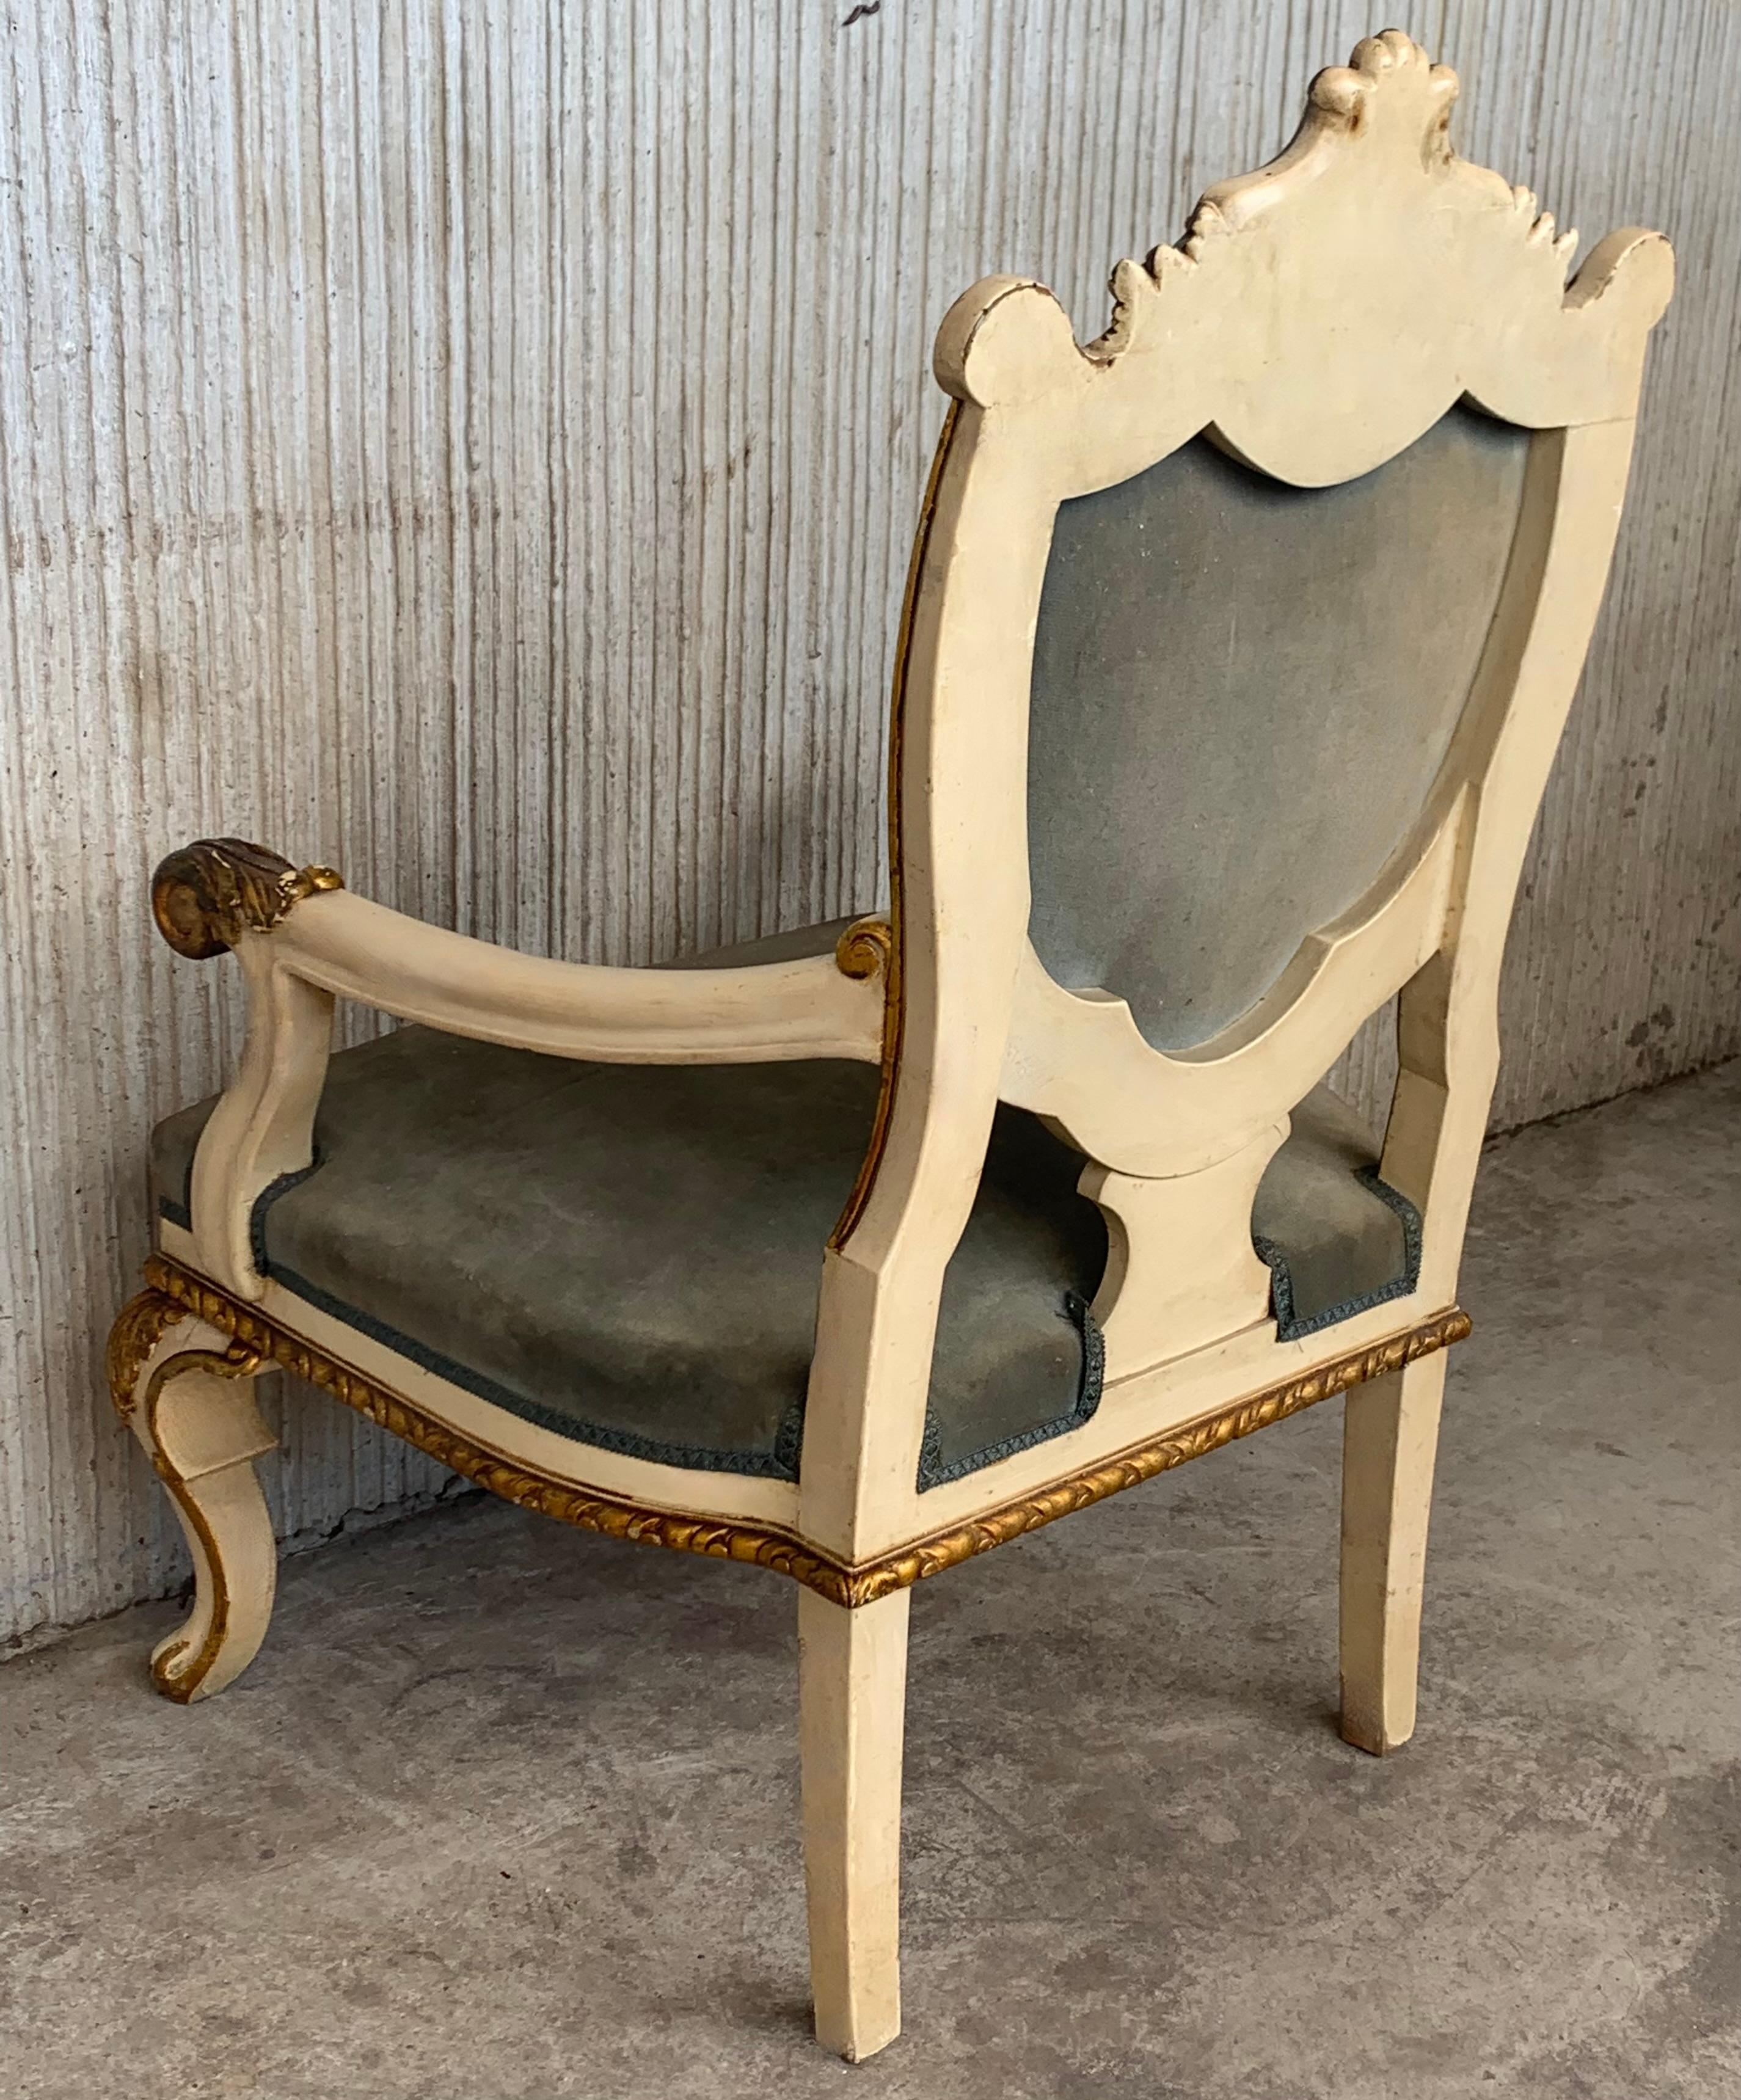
(249, 590)
(178, 1669)
(849, 1584)
(207, 895)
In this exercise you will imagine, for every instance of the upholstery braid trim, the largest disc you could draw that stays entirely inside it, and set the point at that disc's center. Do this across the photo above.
(842, 1583)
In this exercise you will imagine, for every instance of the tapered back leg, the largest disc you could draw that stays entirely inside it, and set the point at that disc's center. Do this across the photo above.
(852, 1700)
(1390, 1442)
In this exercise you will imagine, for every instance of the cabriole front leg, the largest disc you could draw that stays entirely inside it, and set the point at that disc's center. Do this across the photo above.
(187, 1392)
(1389, 1443)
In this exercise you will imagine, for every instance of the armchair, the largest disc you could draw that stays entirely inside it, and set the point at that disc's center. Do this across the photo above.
(1236, 647)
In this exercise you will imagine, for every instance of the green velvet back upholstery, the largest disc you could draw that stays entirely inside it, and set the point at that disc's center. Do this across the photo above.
(1242, 693)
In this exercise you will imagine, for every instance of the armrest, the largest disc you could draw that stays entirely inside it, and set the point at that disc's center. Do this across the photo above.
(302, 940)
(224, 893)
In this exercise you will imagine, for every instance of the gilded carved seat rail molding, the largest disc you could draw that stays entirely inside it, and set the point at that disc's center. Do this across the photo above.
(173, 1293)
(593, 1510)
(1156, 1455)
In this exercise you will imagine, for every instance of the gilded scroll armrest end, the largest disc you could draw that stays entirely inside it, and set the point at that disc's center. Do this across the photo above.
(207, 895)
(865, 948)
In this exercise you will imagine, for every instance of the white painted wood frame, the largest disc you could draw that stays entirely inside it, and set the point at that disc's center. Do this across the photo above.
(1319, 316)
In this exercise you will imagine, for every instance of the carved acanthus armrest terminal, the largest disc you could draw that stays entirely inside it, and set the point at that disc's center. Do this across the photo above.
(205, 897)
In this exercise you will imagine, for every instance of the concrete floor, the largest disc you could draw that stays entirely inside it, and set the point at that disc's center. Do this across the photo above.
(505, 1811)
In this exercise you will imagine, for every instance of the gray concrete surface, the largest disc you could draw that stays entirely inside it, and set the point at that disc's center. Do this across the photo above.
(505, 1811)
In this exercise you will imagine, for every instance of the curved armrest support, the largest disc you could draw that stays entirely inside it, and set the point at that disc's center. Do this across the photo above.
(219, 894)
(361, 951)
(302, 940)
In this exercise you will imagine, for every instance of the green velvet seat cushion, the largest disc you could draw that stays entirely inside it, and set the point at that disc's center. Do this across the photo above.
(630, 1255)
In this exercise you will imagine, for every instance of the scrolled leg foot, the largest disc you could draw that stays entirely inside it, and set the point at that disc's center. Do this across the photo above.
(1390, 1442)
(192, 1408)
(852, 1695)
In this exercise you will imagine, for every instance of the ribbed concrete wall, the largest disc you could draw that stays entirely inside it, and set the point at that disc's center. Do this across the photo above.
(478, 445)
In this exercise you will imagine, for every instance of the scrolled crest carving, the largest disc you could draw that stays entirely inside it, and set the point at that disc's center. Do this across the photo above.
(1389, 70)
(1297, 284)
(1390, 104)
(207, 895)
